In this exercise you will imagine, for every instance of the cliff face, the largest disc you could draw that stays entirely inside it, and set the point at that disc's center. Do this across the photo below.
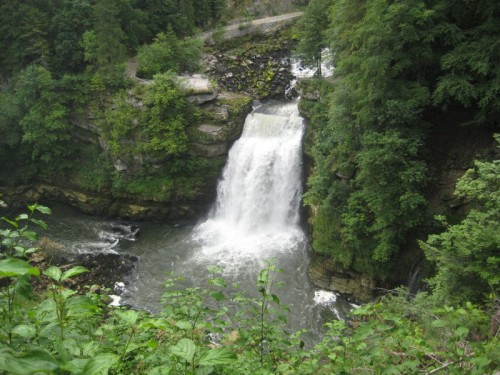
(111, 173)
(450, 150)
(222, 116)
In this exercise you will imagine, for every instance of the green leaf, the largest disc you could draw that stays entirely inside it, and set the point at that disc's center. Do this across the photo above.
(30, 235)
(24, 331)
(218, 281)
(361, 346)
(129, 316)
(81, 306)
(43, 209)
(11, 267)
(185, 349)
(65, 294)
(183, 324)
(217, 357)
(22, 217)
(275, 299)
(461, 332)
(34, 361)
(439, 323)
(13, 223)
(54, 273)
(73, 272)
(214, 269)
(161, 370)
(132, 346)
(40, 223)
(75, 366)
(31, 250)
(100, 364)
(218, 296)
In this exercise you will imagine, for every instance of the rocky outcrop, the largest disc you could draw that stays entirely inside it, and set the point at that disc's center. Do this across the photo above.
(199, 88)
(259, 68)
(222, 125)
(99, 204)
(306, 91)
(326, 274)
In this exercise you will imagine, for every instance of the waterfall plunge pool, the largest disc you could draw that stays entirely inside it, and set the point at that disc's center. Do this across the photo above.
(254, 219)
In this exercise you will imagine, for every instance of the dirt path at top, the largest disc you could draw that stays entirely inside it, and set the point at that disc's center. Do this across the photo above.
(260, 21)
(132, 62)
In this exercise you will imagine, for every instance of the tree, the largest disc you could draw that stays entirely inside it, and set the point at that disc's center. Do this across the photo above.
(44, 119)
(23, 35)
(166, 120)
(312, 27)
(466, 254)
(167, 52)
(70, 20)
(373, 138)
(109, 35)
(468, 37)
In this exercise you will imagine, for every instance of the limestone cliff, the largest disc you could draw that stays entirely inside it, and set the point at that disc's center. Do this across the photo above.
(140, 188)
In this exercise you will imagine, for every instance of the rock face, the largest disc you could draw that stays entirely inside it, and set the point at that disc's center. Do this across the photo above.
(199, 88)
(224, 120)
(222, 115)
(326, 274)
(102, 204)
(258, 67)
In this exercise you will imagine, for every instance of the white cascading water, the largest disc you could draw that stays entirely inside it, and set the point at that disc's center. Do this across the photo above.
(255, 218)
(256, 215)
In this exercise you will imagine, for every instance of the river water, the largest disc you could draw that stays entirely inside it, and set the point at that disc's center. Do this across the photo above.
(255, 218)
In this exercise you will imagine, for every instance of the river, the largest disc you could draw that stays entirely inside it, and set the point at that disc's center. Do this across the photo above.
(255, 218)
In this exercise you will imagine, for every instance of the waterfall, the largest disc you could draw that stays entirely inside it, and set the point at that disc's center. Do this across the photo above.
(256, 215)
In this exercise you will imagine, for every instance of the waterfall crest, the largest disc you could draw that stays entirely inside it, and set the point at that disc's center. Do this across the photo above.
(256, 213)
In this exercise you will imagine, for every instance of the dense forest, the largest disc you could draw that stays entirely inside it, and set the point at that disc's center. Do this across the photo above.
(69, 107)
(412, 81)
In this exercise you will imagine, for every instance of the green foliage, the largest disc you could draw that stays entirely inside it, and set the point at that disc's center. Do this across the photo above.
(109, 35)
(217, 329)
(55, 34)
(180, 180)
(23, 36)
(397, 66)
(397, 336)
(312, 27)
(390, 180)
(374, 133)
(466, 254)
(470, 76)
(45, 118)
(68, 23)
(168, 53)
(95, 170)
(158, 131)
(166, 120)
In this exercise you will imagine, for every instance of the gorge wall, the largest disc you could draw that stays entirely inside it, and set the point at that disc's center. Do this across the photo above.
(111, 175)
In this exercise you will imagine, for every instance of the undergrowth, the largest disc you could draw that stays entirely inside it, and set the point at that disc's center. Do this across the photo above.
(217, 329)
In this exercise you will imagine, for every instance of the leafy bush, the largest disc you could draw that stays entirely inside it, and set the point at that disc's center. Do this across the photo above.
(218, 329)
(168, 53)
(466, 254)
(167, 118)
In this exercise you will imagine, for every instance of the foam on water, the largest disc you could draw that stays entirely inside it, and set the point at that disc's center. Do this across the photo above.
(300, 70)
(256, 215)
